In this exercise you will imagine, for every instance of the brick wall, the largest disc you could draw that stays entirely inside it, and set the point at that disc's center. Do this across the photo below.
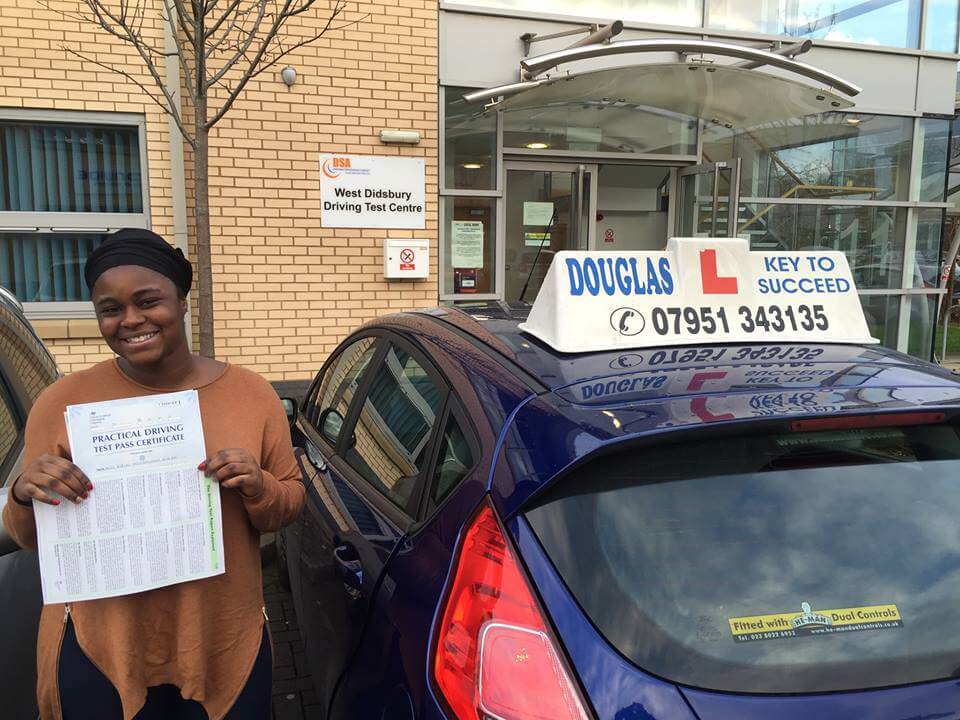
(286, 290)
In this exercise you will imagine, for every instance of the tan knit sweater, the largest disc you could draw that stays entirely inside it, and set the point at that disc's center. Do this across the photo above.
(202, 636)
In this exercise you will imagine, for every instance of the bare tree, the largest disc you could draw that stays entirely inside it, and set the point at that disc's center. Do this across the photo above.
(221, 45)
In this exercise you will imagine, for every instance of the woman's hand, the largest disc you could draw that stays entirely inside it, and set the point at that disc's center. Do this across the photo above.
(235, 468)
(50, 475)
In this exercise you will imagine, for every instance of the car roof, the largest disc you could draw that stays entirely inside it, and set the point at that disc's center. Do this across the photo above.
(764, 365)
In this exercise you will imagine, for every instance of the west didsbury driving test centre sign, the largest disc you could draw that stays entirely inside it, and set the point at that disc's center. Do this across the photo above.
(360, 191)
(698, 291)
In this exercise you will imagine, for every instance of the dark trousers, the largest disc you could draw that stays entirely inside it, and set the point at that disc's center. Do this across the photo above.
(86, 694)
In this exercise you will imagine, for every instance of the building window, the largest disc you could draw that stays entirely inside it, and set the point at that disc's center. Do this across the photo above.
(470, 144)
(687, 13)
(469, 248)
(894, 24)
(65, 183)
(858, 184)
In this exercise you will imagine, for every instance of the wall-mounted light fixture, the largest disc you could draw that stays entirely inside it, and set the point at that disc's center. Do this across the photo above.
(288, 75)
(406, 137)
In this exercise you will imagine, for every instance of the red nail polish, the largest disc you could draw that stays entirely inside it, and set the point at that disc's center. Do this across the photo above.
(56, 502)
(85, 495)
(89, 486)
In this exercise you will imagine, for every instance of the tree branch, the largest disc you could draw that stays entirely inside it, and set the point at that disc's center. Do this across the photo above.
(245, 45)
(167, 106)
(258, 65)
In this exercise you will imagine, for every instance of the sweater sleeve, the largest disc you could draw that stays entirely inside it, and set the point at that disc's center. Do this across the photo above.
(282, 497)
(44, 431)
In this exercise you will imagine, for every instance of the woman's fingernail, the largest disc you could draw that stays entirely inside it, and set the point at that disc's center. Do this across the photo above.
(89, 486)
(56, 502)
(77, 500)
(84, 496)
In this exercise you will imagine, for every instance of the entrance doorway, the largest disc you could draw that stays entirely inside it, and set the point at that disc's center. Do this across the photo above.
(709, 200)
(551, 207)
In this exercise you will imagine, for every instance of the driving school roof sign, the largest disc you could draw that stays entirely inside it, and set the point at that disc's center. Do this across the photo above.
(698, 291)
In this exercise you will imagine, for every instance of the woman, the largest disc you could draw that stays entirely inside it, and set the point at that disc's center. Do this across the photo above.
(196, 649)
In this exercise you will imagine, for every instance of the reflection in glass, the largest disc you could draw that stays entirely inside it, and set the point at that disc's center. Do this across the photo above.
(661, 12)
(470, 144)
(927, 260)
(935, 139)
(832, 155)
(872, 237)
(941, 27)
(469, 244)
(923, 314)
(394, 426)
(663, 551)
(597, 126)
(46, 267)
(894, 23)
(883, 317)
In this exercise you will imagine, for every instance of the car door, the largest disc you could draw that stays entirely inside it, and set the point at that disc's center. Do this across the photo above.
(316, 579)
(377, 476)
(25, 370)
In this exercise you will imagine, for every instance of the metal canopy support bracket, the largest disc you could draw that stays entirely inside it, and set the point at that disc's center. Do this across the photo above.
(597, 34)
(537, 65)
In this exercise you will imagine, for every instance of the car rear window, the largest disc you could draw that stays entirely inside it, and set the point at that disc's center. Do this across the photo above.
(790, 562)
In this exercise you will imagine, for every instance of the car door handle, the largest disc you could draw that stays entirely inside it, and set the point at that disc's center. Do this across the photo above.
(347, 565)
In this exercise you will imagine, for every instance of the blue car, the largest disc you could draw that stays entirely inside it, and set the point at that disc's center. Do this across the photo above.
(495, 529)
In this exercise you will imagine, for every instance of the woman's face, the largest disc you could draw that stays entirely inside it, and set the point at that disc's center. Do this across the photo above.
(140, 314)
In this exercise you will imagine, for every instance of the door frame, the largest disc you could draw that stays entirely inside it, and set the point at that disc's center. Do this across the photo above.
(732, 198)
(578, 170)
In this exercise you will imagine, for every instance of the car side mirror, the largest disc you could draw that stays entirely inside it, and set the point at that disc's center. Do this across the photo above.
(331, 425)
(290, 408)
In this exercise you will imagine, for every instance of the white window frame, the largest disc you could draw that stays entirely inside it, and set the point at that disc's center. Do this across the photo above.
(68, 222)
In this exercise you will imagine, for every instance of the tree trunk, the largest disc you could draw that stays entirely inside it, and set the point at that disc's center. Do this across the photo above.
(201, 214)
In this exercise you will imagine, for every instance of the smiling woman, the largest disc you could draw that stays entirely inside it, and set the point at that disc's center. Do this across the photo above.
(196, 649)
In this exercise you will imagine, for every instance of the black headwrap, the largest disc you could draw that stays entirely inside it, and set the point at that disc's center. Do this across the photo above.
(135, 246)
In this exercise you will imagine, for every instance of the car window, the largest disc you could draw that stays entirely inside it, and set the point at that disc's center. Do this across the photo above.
(10, 428)
(392, 433)
(327, 406)
(26, 362)
(454, 461)
(776, 563)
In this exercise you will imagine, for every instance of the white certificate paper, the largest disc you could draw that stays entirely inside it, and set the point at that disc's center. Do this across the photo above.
(152, 519)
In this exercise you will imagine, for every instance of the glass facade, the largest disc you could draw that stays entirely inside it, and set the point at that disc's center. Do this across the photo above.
(861, 184)
(895, 24)
(833, 155)
(469, 144)
(659, 12)
(890, 23)
(592, 127)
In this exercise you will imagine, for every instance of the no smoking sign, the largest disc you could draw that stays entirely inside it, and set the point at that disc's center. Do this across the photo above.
(406, 259)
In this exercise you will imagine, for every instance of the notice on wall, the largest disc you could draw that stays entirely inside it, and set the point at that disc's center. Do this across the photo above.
(152, 518)
(466, 244)
(366, 191)
(537, 213)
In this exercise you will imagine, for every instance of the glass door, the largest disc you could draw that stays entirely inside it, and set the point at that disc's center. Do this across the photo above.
(709, 200)
(548, 208)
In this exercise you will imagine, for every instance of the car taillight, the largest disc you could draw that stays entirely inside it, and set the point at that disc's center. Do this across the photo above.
(867, 421)
(495, 656)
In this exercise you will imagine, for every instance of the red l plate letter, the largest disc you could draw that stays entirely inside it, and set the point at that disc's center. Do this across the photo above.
(713, 284)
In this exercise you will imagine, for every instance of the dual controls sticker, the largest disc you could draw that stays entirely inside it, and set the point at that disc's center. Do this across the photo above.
(814, 622)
